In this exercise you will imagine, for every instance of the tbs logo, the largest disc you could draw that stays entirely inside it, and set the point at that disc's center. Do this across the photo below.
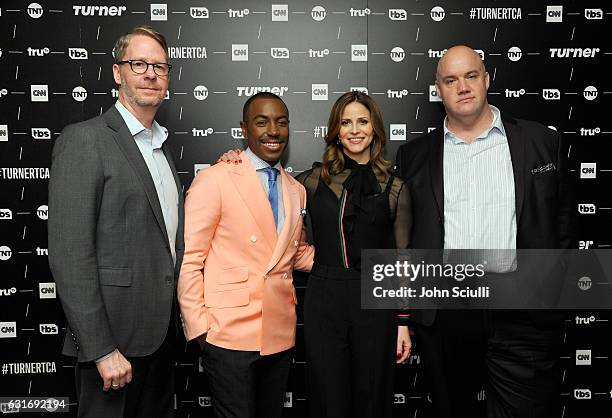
(551, 94)
(6, 214)
(582, 394)
(588, 170)
(282, 53)
(41, 133)
(78, 53)
(237, 133)
(587, 208)
(399, 398)
(199, 12)
(593, 14)
(398, 14)
(48, 329)
(204, 401)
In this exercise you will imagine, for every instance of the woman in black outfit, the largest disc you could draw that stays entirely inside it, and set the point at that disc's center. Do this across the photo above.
(354, 203)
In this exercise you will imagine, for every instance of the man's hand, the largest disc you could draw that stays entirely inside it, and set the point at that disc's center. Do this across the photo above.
(201, 340)
(231, 156)
(404, 344)
(115, 371)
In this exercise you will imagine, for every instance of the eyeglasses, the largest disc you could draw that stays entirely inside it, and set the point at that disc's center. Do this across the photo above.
(141, 67)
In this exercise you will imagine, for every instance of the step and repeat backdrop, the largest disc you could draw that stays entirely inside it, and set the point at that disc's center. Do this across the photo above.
(549, 61)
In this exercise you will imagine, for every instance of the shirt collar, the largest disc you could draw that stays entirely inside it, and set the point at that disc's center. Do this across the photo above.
(496, 124)
(258, 163)
(160, 133)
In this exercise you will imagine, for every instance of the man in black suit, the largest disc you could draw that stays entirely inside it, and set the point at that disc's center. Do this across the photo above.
(116, 241)
(483, 181)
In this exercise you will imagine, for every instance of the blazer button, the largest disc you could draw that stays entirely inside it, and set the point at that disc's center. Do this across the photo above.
(284, 275)
(253, 238)
(296, 243)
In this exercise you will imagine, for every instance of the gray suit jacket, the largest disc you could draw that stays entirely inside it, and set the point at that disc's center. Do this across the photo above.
(108, 245)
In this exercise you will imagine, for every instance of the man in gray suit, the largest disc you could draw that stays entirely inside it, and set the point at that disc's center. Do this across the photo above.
(116, 240)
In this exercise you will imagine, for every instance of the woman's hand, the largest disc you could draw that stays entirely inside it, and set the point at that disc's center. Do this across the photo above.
(404, 344)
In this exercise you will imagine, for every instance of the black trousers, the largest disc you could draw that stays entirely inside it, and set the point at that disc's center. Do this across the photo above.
(245, 384)
(150, 394)
(504, 352)
(350, 352)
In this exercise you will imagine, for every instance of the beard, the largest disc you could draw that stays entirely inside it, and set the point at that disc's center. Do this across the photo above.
(131, 94)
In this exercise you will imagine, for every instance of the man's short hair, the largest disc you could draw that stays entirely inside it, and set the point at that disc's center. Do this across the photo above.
(124, 40)
(260, 95)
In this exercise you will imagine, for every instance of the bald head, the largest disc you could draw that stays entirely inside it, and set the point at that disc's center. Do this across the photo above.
(459, 55)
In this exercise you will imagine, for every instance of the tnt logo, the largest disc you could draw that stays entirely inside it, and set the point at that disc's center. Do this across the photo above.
(582, 394)
(433, 94)
(359, 52)
(515, 54)
(437, 14)
(585, 283)
(6, 214)
(199, 12)
(398, 14)
(583, 357)
(359, 89)
(39, 92)
(593, 14)
(46, 290)
(198, 167)
(200, 92)
(35, 10)
(240, 52)
(582, 320)
(78, 53)
(282, 53)
(318, 13)
(205, 401)
(320, 92)
(554, 14)
(159, 12)
(399, 398)
(397, 54)
(5, 253)
(3, 133)
(280, 12)
(398, 131)
(41, 133)
(586, 208)
(288, 400)
(551, 94)
(48, 329)
(237, 133)
(584, 245)
(588, 170)
(79, 94)
(8, 329)
(590, 93)
(42, 212)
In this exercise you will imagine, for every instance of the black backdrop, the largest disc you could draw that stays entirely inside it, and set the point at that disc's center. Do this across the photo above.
(55, 69)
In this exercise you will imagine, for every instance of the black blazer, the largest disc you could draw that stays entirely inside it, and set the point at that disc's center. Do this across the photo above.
(544, 211)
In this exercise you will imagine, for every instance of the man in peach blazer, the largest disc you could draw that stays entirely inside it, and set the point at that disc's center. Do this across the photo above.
(236, 287)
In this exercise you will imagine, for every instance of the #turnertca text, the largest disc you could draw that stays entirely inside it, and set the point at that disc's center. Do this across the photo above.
(412, 271)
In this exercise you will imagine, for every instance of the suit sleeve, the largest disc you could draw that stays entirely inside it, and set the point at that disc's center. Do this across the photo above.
(76, 189)
(566, 197)
(202, 214)
(400, 163)
(304, 257)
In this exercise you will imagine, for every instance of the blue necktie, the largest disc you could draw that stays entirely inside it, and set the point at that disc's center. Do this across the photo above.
(272, 191)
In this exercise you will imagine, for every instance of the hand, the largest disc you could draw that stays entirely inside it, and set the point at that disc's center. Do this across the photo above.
(115, 371)
(404, 344)
(231, 156)
(201, 340)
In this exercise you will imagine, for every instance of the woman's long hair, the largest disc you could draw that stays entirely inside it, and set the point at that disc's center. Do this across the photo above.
(333, 159)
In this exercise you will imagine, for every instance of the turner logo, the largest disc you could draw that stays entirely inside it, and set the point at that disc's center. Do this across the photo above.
(433, 94)
(237, 133)
(288, 400)
(4, 133)
(581, 394)
(587, 208)
(48, 329)
(437, 14)
(398, 14)
(583, 357)
(198, 167)
(8, 329)
(551, 94)
(319, 92)
(42, 212)
(98, 10)
(588, 170)
(399, 398)
(248, 91)
(282, 53)
(585, 245)
(5, 253)
(590, 93)
(514, 93)
(593, 14)
(79, 94)
(38, 52)
(78, 53)
(202, 132)
(6, 214)
(397, 54)
(318, 13)
(199, 12)
(200, 92)
(35, 10)
(554, 14)
(205, 401)
(240, 52)
(397, 131)
(359, 52)
(187, 52)
(238, 13)
(573, 52)
(39, 92)
(515, 54)
(41, 133)
(280, 12)
(46, 290)
(159, 12)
